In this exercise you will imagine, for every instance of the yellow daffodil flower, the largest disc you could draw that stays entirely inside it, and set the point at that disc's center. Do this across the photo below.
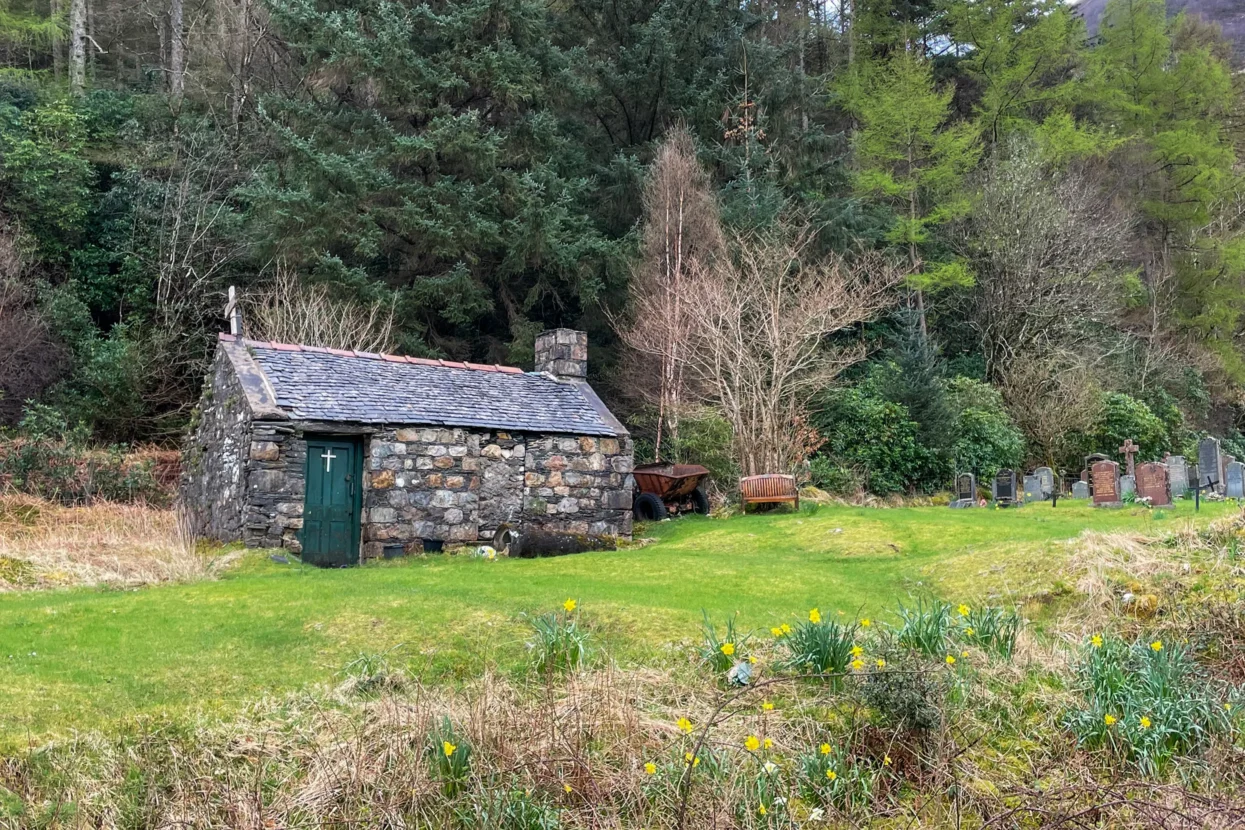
(964, 653)
(448, 748)
(825, 749)
(786, 629)
(767, 706)
(1145, 722)
(569, 605)
(751, 743)
(767, 743)
(814, 616)
(857, 664)
(752, 659)
(1109, 720)
(831, 774)
(968, 632)
(886, 760)
(881, 663)
(1156, 646)
(567, 788)
(866, 622)
(963, 610)
(761, 809)
(776, 631)
(728, 649)
(685, 725)
(1096, 641)
(650, 768)
(857, 651)
(950, 660)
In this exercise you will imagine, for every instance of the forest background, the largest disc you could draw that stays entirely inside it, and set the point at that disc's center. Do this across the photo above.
(880, 241)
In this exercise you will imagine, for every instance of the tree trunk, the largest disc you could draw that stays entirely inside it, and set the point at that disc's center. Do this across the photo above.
(177, 51)
(77, 46)
(58, 47)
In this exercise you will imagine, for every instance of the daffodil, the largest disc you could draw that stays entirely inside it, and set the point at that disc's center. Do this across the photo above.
(728, 649)
(569, 605)
(685, 726)
(1096, 641)
(751, 743)
(767, 706)
(857, 664)
(1156, 646)
(650, 768)
(968, 632)
(814, 616)
(1145, 722)
(831, 774)
(567, 788)
(886, 760)
(694, 760)
(964, 653)
(752, 659)
(881, 663)
(785, 628)
(963, 610)
(761, 809)
(448, 748)
(866, 622)
(1109, 720)
(776, 631)
(768, 744)
(950, 660)
(857, 651)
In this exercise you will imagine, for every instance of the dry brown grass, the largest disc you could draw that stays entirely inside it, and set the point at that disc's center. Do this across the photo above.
(44, 545)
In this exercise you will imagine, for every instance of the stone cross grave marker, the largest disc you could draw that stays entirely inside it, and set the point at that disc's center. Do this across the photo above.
(1234, 481)
(1033, 489)
(1106, 476)
(1177, 476)
(1046, 477)
(1129, 450)
(1153, 483)
(1080, 490)
(1004, 487)
(1209, 461)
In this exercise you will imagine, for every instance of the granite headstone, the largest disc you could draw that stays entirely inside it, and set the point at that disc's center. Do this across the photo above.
(965, 490)
(1177, 476)
(1106, 475)
(1128, 485)
(1080, 490)
(1153, 483)
(1046, 477)
(1234, 481)
(1209, 462)
(1004, 488)
(1033, 489)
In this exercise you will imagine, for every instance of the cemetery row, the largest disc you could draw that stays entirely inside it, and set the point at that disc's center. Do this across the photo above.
(1157, 482)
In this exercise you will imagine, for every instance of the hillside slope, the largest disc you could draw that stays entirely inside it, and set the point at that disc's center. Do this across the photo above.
(1229, 14)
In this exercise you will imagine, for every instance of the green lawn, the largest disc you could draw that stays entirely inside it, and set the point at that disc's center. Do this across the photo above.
(84, 658)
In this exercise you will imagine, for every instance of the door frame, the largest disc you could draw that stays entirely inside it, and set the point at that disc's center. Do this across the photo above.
(358, 442)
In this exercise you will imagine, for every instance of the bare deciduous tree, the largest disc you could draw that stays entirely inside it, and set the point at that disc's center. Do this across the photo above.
(1051, 400)
(1048, 248)
(290, 312)
(773, 326)
(681, 233)
(30, 358)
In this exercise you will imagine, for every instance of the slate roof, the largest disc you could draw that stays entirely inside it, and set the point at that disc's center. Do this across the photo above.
(317, 384)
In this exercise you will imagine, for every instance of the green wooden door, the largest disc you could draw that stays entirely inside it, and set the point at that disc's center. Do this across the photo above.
(333, 501)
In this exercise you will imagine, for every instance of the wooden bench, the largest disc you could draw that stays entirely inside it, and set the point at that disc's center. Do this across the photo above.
(769, 489)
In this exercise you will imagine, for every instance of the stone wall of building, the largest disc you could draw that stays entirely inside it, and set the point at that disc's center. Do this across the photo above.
(276, 483)
(579, 484)
(214, 458)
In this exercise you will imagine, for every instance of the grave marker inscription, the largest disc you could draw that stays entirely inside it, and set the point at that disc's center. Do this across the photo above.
(1106, 476)
(1153, 483)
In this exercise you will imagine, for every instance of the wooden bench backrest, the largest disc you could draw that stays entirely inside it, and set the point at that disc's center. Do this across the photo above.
(768, 488)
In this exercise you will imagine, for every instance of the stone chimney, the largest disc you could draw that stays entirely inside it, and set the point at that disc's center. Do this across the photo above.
(563, 353)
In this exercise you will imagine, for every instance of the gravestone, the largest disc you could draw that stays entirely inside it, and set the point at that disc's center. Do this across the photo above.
(1128, 485)
(1080, 490)
(965, 490)
(1046, 477)
(1153, 483)
(1177, 476)
(1106, 475)
(1004, 488)
(1128, 451)
(1224, 461)
(1033, 489)
(1234, 481)
(1209, 462)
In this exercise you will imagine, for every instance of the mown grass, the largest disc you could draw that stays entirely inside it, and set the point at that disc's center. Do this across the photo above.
(98, 658)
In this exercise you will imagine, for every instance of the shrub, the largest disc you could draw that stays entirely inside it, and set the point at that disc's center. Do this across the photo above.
(985, 439)
(1146, 702)
(560, 643)
(821, 646)
(992, 628)
(510, 810)
(906, 699)
(831, 476)
(925, 626)
(1122, 417)
(451, 757)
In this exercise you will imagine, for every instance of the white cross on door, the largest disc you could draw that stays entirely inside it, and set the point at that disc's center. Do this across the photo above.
(328, 460)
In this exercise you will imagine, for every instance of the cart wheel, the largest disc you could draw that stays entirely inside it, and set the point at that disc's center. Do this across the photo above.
(649, 508)
(700, 502)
